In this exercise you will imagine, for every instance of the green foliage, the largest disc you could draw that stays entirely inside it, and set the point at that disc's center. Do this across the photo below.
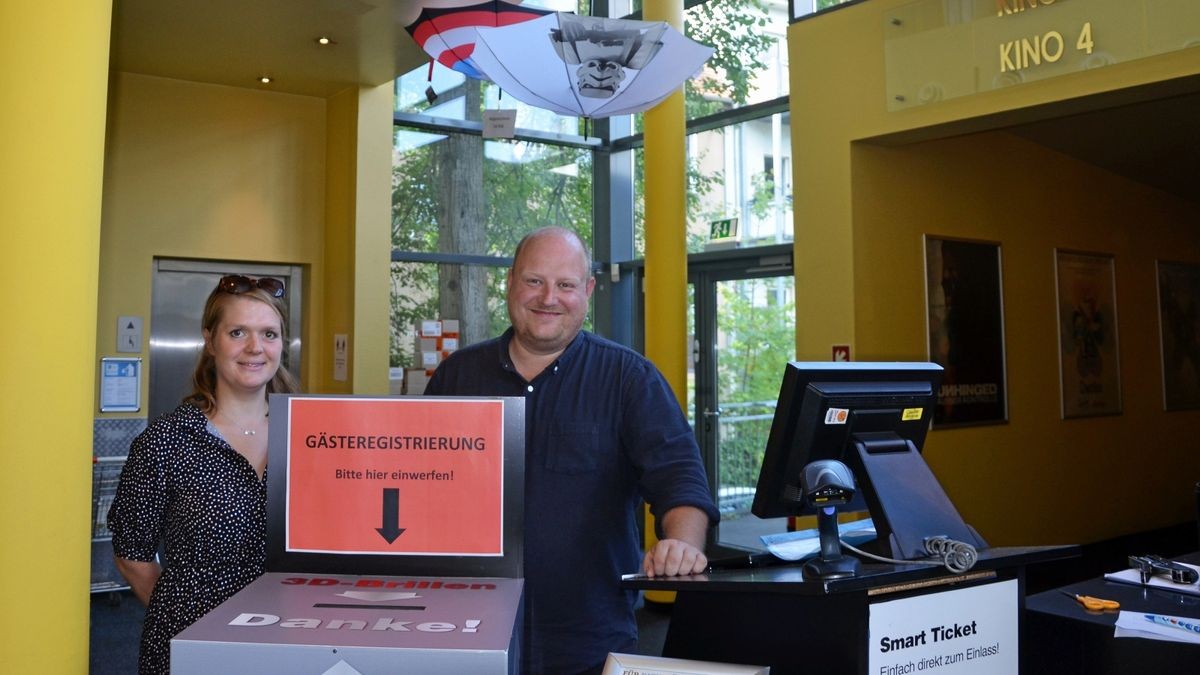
(525, 194)
(414, 228)
(762, 202)
(698, 184)
(521, 193)
(757, 341)
(734, 29)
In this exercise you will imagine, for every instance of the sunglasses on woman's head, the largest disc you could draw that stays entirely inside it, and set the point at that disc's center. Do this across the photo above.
(237, 283)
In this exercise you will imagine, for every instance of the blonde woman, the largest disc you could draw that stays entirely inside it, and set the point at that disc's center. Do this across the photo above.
(195, 479)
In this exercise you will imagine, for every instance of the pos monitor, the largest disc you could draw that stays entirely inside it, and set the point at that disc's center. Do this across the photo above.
(873, 417)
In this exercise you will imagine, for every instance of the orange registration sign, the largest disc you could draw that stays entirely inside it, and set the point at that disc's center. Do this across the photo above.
(403, 476)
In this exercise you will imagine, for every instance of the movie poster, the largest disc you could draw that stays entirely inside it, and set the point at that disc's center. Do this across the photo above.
(966, 330)
(1179, 331)
(1087, 334)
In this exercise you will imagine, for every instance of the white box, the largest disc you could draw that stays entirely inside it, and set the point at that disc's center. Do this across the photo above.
(292, 622)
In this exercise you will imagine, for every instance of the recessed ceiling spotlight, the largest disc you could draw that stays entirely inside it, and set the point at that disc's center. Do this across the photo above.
(266, 79)
(325, 40)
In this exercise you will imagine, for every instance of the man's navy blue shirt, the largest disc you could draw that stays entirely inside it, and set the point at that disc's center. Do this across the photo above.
(603, 432)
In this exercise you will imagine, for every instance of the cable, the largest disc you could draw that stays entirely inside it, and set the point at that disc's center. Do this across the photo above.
(956, 556)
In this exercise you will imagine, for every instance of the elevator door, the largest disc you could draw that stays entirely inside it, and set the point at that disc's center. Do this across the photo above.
(179, 289)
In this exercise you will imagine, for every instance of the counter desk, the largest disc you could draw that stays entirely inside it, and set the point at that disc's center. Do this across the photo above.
(773, 616)
(1066, 638)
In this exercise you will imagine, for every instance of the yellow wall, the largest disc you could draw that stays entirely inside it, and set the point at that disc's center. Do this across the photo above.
(52, 102)
(209, 172)
(339, 249)
(1013, 482)
(861, 207)
(227, 173)
(372, 240)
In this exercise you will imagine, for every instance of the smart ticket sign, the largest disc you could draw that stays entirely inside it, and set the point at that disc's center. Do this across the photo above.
(418, 482)
(972, 631)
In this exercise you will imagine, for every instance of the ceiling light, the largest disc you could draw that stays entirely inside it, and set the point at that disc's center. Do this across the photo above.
(266, 79)
(325, 40)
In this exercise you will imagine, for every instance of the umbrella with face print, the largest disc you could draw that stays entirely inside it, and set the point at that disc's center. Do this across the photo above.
(588, 66)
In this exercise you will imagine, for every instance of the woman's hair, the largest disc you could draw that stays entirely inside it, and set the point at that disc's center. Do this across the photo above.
(204, 377)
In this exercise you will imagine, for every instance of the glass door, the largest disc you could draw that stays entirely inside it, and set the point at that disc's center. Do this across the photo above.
(743, 327)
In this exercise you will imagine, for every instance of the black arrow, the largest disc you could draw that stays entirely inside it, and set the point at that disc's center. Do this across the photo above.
(391, 529)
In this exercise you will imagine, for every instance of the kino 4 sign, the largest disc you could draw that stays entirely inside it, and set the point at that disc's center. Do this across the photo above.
(400, 476)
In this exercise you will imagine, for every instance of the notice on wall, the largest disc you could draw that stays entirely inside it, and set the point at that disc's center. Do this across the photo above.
(120, 384)
(395, 476)
(967, 630)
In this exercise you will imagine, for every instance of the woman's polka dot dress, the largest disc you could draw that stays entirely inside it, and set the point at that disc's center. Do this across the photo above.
(184, 487)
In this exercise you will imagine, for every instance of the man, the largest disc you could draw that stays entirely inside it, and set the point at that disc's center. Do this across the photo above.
(603, 431)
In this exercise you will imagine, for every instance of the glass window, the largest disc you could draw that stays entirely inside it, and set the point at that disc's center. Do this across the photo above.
(415, 297)
(457, 196)
(750, 62)
(803, 7)
(459, 193)
(741, 171)
(755, 328)
(422, 291)
(454, 90)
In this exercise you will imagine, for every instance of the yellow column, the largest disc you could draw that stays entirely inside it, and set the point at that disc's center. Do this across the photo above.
(373, 241)
(54, 87)
(666, 235)
(666, 226)
(358, 247)
(358, 243)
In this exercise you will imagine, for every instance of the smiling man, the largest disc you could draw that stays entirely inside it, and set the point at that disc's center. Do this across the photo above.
(603, 431)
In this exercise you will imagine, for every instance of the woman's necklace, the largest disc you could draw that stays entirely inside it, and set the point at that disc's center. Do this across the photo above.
(246, 430)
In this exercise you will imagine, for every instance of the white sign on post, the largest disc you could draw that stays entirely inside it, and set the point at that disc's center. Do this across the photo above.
(967, 630)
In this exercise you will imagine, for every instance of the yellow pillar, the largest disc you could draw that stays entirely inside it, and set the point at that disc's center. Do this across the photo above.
(358, 243)
(666, 235)
(54, 87)
(666, 225)
(373, 241)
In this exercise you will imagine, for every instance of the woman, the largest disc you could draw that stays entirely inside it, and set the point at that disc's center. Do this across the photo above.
(195, 479)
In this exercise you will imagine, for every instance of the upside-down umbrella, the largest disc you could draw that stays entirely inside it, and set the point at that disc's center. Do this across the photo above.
(447, 34)
(588, 66)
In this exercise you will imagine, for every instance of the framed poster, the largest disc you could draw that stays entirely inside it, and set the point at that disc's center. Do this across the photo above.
(1179, 333)
(120, 384)
(965, 321)
(1088, 361)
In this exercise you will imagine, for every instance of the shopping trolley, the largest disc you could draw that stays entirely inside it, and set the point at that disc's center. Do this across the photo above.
(106, 473)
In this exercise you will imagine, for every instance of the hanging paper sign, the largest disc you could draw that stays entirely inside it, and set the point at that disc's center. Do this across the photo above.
(499, 123)
(401, 476)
